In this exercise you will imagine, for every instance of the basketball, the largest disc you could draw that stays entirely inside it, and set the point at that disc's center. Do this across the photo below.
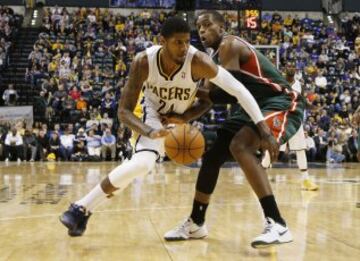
(185, 144)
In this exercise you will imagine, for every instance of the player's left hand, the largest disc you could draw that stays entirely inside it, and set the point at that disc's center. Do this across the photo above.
(172, 118)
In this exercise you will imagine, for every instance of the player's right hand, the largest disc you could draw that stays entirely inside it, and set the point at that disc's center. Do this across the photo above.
(160, 133)
(268, 141)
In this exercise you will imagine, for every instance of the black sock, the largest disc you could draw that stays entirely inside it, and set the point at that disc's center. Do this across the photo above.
(198, 212)
(271, 210)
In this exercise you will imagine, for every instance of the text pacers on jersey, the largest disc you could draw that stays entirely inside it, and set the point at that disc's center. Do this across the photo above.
(170, 93)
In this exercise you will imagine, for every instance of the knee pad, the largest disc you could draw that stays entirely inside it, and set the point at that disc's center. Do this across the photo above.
(140, 164)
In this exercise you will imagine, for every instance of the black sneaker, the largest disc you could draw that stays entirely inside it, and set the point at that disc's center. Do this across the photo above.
(75, 219)
(81, 227)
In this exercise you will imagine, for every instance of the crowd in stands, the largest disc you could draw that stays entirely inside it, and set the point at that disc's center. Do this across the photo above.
(80, 63)
(9, 24)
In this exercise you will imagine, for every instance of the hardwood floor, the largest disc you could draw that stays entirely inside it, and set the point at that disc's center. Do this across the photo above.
(130, 226)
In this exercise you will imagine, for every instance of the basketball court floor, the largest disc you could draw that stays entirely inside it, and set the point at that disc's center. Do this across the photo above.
(130, 226)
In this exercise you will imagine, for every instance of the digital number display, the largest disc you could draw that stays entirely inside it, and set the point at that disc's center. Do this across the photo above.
(252, 19)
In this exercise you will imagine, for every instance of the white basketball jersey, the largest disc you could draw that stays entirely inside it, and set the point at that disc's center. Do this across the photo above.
(164, 94)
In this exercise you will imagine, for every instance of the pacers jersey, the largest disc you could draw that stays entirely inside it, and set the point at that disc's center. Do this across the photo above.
(168, 93)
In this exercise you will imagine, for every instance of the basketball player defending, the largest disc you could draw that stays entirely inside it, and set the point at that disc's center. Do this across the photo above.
(238, 136)
(169, 76)
(296, 142)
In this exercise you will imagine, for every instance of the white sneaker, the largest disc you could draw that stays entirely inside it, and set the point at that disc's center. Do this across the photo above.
(18, 160)
(7, 160)
(274, 234)
(187, 230)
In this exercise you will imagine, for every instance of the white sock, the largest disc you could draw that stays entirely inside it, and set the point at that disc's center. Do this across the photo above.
(305, 174)
(302, 163)
(92, 199)
(120, 177)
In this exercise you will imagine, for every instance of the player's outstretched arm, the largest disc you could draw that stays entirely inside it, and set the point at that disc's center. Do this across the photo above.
(138, 74)
(204, 67)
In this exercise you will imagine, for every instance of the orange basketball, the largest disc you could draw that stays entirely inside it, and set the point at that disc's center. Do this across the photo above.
(185, 144)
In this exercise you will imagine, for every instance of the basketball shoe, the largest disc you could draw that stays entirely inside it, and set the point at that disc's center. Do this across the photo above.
(273, 234)
(186, 230)
(75, 219)
(308, 185)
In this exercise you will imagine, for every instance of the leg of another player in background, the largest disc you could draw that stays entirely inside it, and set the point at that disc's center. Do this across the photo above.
(301, 159)
(266, 162)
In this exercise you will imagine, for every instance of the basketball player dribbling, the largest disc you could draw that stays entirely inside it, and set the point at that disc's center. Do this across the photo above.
(168, 74)
(238, 137)
(297, 142)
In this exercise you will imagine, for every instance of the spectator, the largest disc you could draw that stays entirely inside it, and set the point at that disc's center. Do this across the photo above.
(106, 88)
(108, 105)
(67, 144)
(80, 146)
(321, 82)
(81, 103)
(310, 147)
(353, 145)
(43, 145)
(92, 121)
(58, 99)
(54, 145)
(320, 140)
(13, 145)
(10, 96)
(334, 152)
(324, 121)
(108, 144)
(93, 144)
(30, 143)
(75, 93)
(106, 120)
(123, 146)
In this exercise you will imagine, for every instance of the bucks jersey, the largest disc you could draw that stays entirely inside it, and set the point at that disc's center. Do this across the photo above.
(168, 93)
(258, 75)
(282, 107)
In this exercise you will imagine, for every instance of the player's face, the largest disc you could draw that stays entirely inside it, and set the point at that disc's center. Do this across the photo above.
(210, 32)
(357, 46)
(176, 46)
